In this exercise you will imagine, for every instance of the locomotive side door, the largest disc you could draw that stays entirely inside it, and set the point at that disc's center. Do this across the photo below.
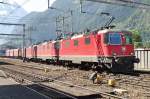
(35, 51)
(99, 42)
(56, 50)
(24, 53)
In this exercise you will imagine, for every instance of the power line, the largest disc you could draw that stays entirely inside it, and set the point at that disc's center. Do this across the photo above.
(3, 34)
(5, 3)
(17, 24)
(27, 19)
(16, 9)
(23, 35)
(125, 3)
(133, 2)
(14, 18)
(26, 1)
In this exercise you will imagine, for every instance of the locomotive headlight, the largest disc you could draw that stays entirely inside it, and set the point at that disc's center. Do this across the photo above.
(132, 53)
(123, 49)
(114, 54)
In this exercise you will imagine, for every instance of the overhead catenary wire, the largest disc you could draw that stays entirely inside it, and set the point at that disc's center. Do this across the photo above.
(14, 18)
(26, 1)
(86, 0)
(26, 19)
(133, 2)
(125, 3)
(29, 20)
(6, 3)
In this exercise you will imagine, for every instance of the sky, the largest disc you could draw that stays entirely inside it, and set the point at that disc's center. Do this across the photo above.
(29, 6)
(34, 5)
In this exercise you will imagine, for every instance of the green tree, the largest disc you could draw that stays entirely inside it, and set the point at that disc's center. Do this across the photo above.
(136, 34)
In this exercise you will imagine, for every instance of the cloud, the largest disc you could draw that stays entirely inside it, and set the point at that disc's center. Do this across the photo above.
(34, 5)
(3, 12)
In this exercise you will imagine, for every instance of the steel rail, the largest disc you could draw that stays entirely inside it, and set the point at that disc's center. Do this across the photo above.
(29, 82)
(103, 94)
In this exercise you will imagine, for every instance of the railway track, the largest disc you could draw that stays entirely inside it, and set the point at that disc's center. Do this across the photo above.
(38, 81)
(45, 91)
(137, 81)
(23, 64)
(41, 69)
(140, 83)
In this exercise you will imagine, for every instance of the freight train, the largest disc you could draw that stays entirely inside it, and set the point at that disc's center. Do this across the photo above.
(106, 49)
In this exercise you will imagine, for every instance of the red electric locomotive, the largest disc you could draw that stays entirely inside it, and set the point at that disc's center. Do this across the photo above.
(110, 49)
(45, 51)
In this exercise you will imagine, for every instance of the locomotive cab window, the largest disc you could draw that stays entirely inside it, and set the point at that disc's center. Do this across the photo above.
(87, 41)
(106, 38)
(76, 42)
(114, 38)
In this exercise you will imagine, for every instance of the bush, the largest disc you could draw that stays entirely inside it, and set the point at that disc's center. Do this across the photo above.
(146, 44)
(138, 44)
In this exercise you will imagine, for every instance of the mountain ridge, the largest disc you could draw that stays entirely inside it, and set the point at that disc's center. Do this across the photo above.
(41, 26)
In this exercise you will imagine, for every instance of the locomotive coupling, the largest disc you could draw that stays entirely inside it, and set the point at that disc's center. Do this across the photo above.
(122, 60)
(136, 60)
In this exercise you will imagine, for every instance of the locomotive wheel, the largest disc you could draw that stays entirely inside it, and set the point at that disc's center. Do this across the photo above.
(107, 67)
(84, 66)
(96, 67)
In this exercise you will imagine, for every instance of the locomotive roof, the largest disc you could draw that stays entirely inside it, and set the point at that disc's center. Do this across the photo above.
(44, 43)
(81, 35)
(111, 30)
(100, 32)
(77, 36)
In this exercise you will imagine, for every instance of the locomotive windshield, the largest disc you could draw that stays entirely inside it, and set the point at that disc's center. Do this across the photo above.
(116, 38)
(113, 38)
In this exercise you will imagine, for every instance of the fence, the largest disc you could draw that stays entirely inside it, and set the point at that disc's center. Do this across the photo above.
(144, 56)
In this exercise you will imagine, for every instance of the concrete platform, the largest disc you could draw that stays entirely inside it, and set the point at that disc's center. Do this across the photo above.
(9, 89)
(78, 92)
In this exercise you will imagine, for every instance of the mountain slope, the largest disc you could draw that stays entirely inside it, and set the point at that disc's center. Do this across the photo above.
(41, 26)
(9, 13)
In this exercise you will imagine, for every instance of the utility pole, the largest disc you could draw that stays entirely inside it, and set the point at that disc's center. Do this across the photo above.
(63, 19)
(30, 29)
(30, 37)
(24, 55)
(48, 3)
(81, 6)
(58, 26)
(71, 12)
(63, 24)
(107, 24)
